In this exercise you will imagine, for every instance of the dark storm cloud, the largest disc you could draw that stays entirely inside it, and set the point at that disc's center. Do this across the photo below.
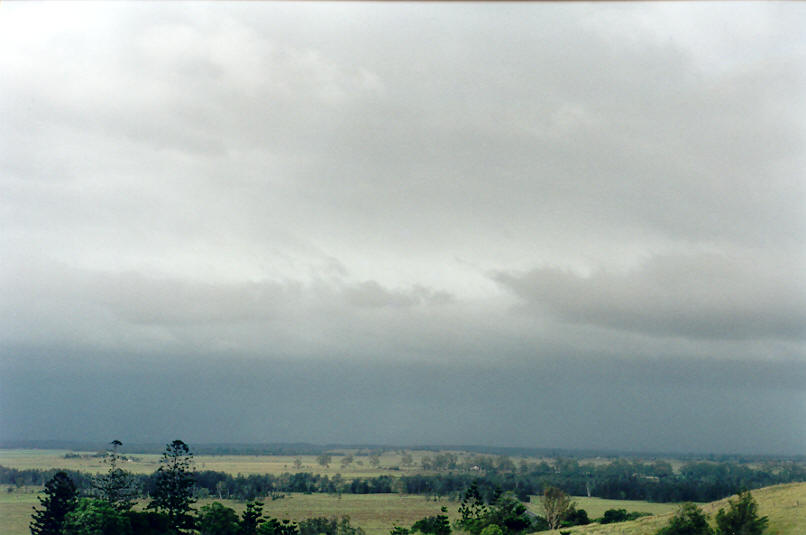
(553, 403)
(692, 295)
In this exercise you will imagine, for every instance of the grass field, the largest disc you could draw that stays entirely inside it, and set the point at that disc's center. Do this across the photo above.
(232, 464)
(595, 507)
(785, 505)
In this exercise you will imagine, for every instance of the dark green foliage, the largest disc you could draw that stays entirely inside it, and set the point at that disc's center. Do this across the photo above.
(272, 526)
(117, 486)
(250, 518)
(614, 515)
(741, 518)
(539, 524)
(506, 512)
(173, 494)
(575, 517)
(473, 511)
(492, 529)
(509, 514)
(149, 523)
(328, 526)
(217, 519)
(398, 530)
(433, 525)
(689, 520)
(58, 502)
(96, 517)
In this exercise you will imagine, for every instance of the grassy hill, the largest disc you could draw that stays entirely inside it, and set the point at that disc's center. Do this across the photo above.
(785, 505)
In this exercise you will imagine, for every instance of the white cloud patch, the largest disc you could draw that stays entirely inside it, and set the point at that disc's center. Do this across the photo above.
(693, 295)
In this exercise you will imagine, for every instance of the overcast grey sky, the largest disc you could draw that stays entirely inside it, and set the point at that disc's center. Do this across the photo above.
(550, 225)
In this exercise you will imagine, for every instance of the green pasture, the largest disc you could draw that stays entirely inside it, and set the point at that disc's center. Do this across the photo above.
(784, 505)
(390, 463)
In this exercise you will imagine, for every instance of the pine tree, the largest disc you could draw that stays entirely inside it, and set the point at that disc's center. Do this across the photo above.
(174, 493)
(116, 486)
(59, 500)
(250, 518)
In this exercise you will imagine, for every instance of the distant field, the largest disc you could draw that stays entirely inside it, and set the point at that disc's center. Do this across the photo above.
(232, 464)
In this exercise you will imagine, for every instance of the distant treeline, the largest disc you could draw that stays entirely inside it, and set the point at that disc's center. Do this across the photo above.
(621, 479)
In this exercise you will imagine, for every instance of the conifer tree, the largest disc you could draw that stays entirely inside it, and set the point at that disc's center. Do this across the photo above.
(59, 500)
(174, 493)
(116, 486)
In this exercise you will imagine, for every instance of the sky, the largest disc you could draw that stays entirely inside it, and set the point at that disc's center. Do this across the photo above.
(540, 225)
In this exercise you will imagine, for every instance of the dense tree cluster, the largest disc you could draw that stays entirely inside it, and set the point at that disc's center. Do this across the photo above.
(699, 481)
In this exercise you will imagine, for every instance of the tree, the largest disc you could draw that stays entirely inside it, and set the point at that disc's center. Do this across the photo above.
(433, 525)
(509, 514)
(116, 486)
(324, 459)
(556, 504)
(217, 519)
(473, 511)
(96, 517)
(272, 526)
(346, 461)
(614, 515)
(297, 463)
(492, 529)
(741, 518)
(688, 520)
(250, 518)
(58, 502)
(174, 492)
(375, 459)
(406, 459)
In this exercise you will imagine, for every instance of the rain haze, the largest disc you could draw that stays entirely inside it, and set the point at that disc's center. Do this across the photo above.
(538, 225)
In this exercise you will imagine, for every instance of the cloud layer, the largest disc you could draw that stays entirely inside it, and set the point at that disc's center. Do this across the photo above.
(539, 191)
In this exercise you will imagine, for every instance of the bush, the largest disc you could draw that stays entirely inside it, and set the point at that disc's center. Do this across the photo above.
(689, 520)
(741, 518)
(96, 517)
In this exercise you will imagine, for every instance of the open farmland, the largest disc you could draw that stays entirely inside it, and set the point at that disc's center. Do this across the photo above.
(390, 463)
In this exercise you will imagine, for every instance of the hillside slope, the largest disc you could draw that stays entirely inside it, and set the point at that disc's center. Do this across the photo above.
(785, 505)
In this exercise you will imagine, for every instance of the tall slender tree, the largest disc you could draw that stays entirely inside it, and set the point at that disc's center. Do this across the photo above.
(555, 504)
(59, 500)
(117, 486)
(174, 489)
